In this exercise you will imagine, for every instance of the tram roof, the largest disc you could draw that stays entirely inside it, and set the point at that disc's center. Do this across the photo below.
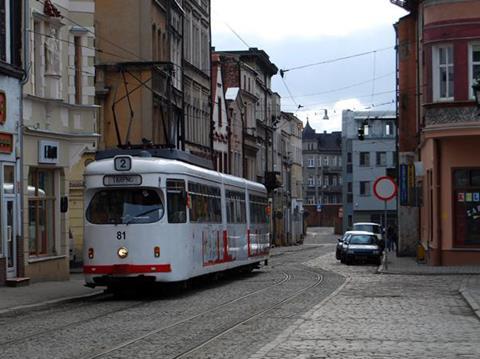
(147, 165)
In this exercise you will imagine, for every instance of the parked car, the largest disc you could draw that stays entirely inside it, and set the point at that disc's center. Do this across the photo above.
(362, 247)
(374, 228)
(343, 242)
(338, 250)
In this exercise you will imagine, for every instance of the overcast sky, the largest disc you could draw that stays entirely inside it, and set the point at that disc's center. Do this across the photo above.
(308, 32)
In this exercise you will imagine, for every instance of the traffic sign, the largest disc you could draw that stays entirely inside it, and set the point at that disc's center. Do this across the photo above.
(385, 188)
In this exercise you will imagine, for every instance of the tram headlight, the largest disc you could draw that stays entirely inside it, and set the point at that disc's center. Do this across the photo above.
(91, 253)
(122, 252)
(156, 251)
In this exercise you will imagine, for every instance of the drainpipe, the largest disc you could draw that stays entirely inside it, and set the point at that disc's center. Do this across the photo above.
(438, 191)
(26, 65)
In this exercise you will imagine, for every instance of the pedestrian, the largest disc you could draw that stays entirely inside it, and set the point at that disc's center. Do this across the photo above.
(391, 245)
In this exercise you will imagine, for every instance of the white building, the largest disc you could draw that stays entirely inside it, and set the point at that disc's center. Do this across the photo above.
(59, 118)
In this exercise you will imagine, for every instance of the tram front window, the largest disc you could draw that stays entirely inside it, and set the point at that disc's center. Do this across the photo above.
(125, 206)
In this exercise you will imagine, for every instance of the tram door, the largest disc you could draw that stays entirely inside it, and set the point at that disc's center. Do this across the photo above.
(8, 211)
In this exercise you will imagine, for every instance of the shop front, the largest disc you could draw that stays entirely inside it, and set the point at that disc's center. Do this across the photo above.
(9, 174)
(451, 200)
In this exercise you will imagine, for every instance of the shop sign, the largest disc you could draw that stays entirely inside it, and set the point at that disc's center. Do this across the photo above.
(6, 142)
(48, 152)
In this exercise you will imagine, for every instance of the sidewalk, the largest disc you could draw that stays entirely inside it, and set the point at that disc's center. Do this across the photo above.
(470, 288)
(44, 293)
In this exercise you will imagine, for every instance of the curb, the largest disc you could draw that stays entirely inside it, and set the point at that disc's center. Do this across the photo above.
(465, 293)
(50, 302)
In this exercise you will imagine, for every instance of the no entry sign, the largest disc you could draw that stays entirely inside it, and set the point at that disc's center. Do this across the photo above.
(385, 188)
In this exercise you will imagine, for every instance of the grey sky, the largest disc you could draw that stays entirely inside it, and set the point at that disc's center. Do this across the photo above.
(313, 31)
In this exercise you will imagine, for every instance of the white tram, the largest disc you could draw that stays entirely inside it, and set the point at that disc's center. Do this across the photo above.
(163, 220)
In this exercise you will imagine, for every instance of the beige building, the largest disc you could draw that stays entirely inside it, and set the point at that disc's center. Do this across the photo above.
(60, 129)
(197, 83)
(139, 72)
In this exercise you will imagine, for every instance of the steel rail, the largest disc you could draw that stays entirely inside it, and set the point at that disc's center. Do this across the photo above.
(286, 277)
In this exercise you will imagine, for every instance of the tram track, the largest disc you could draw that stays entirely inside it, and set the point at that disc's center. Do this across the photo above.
(287, 277)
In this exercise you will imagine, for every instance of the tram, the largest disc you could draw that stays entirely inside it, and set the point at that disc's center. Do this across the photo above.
(165, 220)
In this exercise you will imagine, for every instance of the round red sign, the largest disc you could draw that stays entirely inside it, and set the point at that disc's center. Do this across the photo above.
(385, 188)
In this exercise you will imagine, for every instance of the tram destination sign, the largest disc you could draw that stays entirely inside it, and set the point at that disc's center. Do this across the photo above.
(122, 180)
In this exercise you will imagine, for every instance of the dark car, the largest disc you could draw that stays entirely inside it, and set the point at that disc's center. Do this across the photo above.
(338, 250)
(363, 247)
(342, 243)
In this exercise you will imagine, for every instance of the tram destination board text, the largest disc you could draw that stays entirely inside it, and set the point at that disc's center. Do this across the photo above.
(122, 180)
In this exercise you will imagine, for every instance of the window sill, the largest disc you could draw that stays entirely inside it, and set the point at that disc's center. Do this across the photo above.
(45, 259)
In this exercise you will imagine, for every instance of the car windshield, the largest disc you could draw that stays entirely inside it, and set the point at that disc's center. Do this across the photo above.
(125, 206)
(367, 228)
(361, 239)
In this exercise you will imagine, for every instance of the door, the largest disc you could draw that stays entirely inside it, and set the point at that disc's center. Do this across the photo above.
(9, 237)
(8, 211)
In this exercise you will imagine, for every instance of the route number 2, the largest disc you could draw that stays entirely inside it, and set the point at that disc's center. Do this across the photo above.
(123, 163)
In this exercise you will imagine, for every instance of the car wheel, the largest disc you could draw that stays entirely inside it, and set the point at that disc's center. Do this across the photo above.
(337, 255)
(342, 259)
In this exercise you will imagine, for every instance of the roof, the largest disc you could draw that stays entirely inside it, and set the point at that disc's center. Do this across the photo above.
(308, 132)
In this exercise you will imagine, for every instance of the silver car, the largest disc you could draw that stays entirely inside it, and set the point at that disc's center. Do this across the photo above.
(362, 247)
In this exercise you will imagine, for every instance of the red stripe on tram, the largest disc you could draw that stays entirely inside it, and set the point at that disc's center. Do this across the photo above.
(127, 269)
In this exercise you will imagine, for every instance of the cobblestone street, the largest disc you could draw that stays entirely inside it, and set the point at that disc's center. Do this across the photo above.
(383, 316)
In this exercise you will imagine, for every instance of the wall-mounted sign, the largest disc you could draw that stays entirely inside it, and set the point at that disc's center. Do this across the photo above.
(3, 107)
(48, 152)
(6, 142)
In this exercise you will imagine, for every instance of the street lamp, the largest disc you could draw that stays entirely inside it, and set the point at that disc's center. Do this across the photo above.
(325, 114)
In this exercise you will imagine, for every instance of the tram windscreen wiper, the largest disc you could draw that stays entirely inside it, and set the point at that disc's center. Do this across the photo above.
(128, 221)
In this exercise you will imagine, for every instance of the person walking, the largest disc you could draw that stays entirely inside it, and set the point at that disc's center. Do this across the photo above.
(391, 239)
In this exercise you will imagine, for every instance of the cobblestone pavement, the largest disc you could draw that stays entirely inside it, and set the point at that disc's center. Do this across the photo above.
(176, 323)
(382, 316)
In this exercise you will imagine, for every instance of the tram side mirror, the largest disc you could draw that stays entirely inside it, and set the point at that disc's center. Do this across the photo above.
(64, 204)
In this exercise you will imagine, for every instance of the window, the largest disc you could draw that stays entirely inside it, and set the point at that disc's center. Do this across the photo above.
(78, 69)
(443, 75)
(349, 157)
(236, 210)
(474, 66)
(219, 101)
(311, 162)
(311, 181)
(176, 201)
(258, 209)
(388, 129)
(325, 161)
(381, 158)
(125, 206)
(349, 187)
(364, 158)
(466, 188)
(365, 188)
(41, 212)
(205, 203)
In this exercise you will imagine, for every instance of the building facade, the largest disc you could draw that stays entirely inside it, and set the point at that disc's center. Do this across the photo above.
(364, 161)
(322, 176)
(439, 129)
(221, 127)
(11, 75)
(59, 128)
(196, 82)
(139, 78)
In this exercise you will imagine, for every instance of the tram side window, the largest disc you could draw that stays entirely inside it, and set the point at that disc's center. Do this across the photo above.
(236, 211)
(258, 209)
(205, 203)
(176, 201)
